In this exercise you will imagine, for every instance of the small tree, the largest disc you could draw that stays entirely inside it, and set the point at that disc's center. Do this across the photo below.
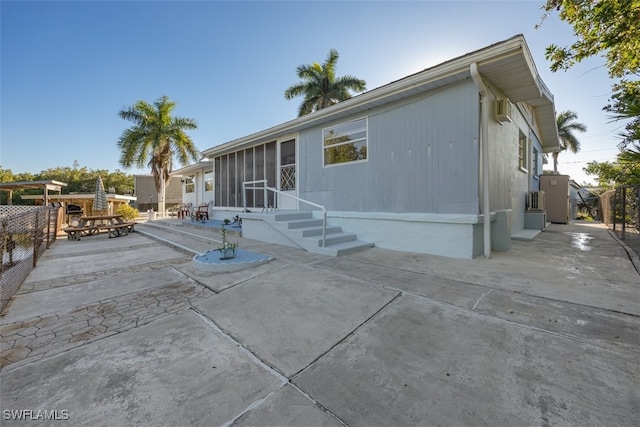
(228, 249)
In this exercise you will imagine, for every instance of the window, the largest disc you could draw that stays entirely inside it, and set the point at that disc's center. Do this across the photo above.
(536, 162)
(522, 152)
(189, 184)
(345, 143)
(208, 181)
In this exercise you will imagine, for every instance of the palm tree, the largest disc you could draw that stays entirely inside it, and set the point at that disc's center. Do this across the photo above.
(568, 141)
(320, 86)
(630, 110)
(155, 139)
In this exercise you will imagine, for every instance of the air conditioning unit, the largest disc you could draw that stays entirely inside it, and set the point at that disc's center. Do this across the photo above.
(536, 201)
(503, 110)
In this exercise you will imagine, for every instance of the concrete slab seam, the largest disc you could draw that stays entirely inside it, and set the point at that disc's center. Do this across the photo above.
(241, 347)
(522, 326)
(318, 404)
(251, 406)
(347, 336)
(283, 380)
(246, 280)
(469, 284)
(194, 280)
(430, 274)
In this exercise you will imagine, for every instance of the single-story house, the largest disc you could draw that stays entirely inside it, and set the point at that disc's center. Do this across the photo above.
(413, 165)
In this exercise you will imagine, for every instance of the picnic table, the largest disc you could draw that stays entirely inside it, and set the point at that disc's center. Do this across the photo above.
(90, 225)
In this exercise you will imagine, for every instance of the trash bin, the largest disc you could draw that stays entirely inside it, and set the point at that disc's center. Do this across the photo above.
(151, 215)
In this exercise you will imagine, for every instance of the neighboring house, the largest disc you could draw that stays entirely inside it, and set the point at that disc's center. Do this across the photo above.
(582, 197)
(402, 165)
(144, 188)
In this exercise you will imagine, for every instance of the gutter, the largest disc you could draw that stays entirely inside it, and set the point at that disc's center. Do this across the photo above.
(447, 69)
(484, 149)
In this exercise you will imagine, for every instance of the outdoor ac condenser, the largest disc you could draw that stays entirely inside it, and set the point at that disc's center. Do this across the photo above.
(503, 110)
(536, 201)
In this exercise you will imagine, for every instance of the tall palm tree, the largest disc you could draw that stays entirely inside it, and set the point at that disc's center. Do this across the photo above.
(320, 86)
(568, 141)
(155, 139)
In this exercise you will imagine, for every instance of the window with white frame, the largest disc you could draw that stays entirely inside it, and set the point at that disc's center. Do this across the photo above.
(190, 184)
(208, 181)
(522, 152)
(536, 162)
(345, 143)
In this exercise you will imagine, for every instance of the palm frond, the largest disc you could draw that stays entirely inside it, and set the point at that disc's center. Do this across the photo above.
(320, 87)
(156, 138)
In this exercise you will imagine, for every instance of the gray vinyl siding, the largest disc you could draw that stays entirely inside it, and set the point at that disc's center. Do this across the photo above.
(507, 182)
(422, 157)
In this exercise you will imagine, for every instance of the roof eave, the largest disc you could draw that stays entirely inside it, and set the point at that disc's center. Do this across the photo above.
(491, 60)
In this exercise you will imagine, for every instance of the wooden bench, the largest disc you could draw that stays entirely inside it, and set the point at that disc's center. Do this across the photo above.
(117, 230)
(75, 233)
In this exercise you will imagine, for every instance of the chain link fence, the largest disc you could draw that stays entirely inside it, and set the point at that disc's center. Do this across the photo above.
(25, 233)
(621, 212)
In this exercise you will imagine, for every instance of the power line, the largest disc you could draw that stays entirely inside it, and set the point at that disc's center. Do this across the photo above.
(601, 149)
(584, 161)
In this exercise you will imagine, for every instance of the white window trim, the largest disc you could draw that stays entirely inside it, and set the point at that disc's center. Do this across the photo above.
(366, 130)
(525, 151)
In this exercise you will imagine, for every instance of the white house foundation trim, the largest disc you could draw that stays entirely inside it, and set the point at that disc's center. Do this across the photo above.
(450, 235)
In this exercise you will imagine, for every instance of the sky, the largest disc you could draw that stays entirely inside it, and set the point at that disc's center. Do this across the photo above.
(68, 67)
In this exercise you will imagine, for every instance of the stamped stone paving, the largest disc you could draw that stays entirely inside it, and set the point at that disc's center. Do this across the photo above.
(86, 277)
(40, 337)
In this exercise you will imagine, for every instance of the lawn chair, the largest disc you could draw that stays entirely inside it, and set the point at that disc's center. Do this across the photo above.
(202, 213)
(185, 210)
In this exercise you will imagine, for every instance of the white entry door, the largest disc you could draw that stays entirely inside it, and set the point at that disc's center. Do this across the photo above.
(287, 174)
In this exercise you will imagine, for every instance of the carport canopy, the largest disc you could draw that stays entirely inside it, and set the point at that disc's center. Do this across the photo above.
(47, 185)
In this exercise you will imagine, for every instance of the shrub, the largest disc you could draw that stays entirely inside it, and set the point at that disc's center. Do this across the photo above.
(128, 212)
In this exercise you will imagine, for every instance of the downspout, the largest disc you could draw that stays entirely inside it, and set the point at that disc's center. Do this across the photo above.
(484, 149)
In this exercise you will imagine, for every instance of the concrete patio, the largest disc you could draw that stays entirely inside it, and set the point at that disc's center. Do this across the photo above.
(125, 331)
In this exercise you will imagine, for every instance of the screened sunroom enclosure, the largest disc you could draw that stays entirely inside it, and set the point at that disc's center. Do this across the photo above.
(273, 161)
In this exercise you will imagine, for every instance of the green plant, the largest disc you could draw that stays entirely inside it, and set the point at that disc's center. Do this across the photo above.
(226, 221)
(228, 249)
(127, 212)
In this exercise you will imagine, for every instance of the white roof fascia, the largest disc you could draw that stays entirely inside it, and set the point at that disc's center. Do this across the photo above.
(192, 168)
(398, 89)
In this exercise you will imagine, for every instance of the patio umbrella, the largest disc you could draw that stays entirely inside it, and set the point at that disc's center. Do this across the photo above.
(100, 197)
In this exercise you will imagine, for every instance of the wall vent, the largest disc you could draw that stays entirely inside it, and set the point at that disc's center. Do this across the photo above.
(536, 201)
(503, 110)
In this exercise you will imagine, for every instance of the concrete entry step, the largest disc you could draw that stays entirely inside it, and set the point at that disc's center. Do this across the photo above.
(306, 231)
